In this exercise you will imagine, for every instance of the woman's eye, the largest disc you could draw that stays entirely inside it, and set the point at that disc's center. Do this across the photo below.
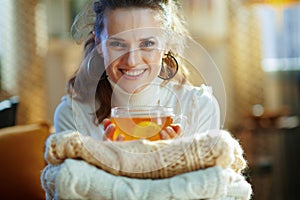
(147, 43)
(117, 44)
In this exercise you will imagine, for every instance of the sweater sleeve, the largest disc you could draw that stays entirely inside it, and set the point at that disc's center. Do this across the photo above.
(205, 113)
(63, 116)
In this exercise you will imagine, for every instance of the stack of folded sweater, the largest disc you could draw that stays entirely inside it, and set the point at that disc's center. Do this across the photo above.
(201, 166)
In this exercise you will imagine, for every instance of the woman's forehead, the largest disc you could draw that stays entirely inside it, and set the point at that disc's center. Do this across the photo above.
(125, 20)
(139, 34)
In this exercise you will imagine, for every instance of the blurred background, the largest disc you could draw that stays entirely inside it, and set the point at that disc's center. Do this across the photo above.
(254, 43)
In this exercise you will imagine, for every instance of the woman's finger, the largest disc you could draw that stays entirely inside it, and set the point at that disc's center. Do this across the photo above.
(106, 122)
(164, 135)
(109, 132)
(120, 138)
(176, 128)
(171, 132)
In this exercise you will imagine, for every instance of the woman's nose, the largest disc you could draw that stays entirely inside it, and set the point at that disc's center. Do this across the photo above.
(133, 57)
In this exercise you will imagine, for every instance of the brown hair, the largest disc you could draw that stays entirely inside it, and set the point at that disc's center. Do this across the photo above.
(173, 23)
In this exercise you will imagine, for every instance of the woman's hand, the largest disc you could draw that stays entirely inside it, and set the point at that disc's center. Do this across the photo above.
(109, 130)
(170, 132)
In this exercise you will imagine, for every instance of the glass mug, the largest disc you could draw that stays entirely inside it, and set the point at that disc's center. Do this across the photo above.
(141, 122)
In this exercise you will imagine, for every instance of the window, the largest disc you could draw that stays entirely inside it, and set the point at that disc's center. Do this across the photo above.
(280, 37)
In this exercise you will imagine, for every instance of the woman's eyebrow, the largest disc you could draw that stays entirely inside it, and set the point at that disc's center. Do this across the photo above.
(115, 38)
(148, 38)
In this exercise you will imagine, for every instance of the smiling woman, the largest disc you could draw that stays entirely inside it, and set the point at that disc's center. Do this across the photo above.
(131, 58)
(132, 64)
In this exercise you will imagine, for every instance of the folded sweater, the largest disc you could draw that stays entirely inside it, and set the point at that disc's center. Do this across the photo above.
(76, 179)
(203, 166)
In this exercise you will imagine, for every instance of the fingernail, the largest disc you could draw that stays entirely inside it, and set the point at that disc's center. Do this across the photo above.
(120, 138)
(106, 124)
(109, 126)
(169, 129)
(163, 134)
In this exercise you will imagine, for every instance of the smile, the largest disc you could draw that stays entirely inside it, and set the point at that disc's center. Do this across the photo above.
(133, 73)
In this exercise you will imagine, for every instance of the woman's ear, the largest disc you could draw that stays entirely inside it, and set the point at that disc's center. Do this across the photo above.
(99, 50)
(97, 42)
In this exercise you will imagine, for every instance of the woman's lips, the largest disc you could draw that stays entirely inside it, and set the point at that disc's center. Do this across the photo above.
(133, 74)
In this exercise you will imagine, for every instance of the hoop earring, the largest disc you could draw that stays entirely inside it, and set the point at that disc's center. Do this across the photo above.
(94, 71)
(170, 68)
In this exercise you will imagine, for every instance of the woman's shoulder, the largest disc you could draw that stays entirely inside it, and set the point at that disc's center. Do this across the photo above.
(63, 115)
(188, 90)
(202, 96)
(203, 91)
(69, 106)
(200, 90)
(65, 104)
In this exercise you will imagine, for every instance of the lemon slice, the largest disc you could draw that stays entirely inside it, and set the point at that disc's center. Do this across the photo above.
(146, 129)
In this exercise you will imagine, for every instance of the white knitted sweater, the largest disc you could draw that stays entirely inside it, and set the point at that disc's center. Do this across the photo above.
(205, 166)
(196, 103)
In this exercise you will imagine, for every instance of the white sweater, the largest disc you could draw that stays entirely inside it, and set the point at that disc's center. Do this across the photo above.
(196, 103)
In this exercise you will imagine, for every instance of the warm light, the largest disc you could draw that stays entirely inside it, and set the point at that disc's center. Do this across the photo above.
(273, 2)
(279, 1)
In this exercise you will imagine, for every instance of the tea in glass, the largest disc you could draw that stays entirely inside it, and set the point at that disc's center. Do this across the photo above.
(141, 122)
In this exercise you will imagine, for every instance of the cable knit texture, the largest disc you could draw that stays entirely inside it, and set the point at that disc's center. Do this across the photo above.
(195, 167)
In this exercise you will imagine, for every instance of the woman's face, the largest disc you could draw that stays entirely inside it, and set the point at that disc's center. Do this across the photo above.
(132, 45)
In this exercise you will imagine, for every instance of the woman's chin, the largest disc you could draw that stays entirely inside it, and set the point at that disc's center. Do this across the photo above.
(133, 89)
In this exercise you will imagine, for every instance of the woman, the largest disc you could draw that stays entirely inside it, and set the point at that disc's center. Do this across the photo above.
(130, 59)
(138, 44)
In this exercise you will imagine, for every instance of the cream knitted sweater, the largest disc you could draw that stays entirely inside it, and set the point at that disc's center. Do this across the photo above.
(205, 166)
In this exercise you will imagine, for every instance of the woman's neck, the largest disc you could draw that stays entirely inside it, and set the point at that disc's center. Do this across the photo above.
(149, 95)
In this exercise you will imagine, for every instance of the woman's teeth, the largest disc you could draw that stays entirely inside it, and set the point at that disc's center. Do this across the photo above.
(133, 72)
